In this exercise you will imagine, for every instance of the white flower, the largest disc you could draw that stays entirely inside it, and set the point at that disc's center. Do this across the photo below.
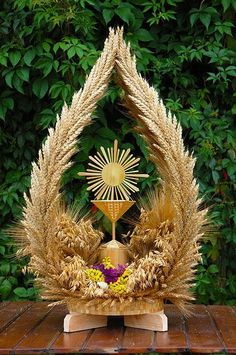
(102, 284)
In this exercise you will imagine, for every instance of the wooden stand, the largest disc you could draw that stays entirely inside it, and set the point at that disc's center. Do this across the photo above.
(74, 322)
(153, 321)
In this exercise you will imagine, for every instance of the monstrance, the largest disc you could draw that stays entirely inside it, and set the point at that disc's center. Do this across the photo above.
(112, 177)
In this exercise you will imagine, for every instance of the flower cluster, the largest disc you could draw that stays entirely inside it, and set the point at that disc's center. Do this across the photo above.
(120, 285)
(95, 275)
(107, 276)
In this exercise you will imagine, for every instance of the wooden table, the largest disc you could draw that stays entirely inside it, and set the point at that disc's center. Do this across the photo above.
(32, 328)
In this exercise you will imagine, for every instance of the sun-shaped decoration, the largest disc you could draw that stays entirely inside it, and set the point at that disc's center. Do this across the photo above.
(111, 176)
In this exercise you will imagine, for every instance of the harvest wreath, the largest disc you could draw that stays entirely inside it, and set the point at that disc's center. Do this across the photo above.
(164, 245)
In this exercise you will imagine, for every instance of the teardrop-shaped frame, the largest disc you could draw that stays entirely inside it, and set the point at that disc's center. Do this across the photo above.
(164, 137)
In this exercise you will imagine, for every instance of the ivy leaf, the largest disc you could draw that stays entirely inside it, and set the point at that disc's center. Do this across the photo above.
(79, 52)
(3, 60)
(20, 141)
(213, 269)
(142, 145)
(5, 289)
(231, 169)
(9, 77)
(71, 52)
(8, 102)
(107, 15)
(225, 4)
(14, 57)
(144, 35)
(13, 280)
(193, 18)
(46, 46)
(47, 117)
(2, 278)
(23, 74)
(231, 70)
(211, 10)
(233, 110)
(215, 176)
(5, 268)
(124, 13)
(205, 18)
(29, 56)
(3, 112)
(40, 87)
(17, 83)
(105, 132)
(21, 292)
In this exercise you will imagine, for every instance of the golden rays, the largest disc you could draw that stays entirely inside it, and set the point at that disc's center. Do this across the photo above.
(111, 176)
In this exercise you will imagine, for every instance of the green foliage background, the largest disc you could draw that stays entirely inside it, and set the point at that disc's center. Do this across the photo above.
(186, 49)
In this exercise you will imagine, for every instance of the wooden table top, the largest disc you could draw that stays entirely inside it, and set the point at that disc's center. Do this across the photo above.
(33, 327)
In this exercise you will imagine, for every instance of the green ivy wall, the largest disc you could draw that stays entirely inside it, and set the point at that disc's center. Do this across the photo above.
(186, 49)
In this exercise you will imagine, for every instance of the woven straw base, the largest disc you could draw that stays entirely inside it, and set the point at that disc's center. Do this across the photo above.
(118, 309)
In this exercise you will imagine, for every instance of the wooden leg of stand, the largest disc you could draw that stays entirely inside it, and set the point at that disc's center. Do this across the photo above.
(74, 322)
(152, 321)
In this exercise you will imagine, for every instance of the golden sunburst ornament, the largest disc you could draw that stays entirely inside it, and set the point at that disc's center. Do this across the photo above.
(111, 176)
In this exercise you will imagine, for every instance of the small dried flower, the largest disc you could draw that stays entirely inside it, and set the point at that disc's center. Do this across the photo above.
(103, 285)
(95, 275)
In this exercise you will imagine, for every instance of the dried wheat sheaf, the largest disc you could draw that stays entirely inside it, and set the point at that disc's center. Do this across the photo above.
(164, 244)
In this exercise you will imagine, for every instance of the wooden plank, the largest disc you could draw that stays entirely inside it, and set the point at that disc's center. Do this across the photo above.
(175, 339)
(225, 320)
(202, 332)
(11, 311)
(137, 341)
(77, 342)
(20, 327)
(70, 342)
(104, 340)
(31, 328)
(41, 337)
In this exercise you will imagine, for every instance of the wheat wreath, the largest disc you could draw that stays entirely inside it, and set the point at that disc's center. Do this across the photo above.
(164, 245)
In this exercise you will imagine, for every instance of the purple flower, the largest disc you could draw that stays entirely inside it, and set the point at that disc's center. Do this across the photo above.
(112, 274)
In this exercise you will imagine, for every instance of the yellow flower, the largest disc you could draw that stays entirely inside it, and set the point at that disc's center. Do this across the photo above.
(117, 287)
(121, 284)
(126, 273)
(107, 263)
(95, 275)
